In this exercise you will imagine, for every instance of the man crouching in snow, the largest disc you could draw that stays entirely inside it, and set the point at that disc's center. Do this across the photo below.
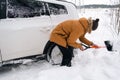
(65, 35)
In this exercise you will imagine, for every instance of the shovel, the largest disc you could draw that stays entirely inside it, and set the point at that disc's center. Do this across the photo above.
(108, 46)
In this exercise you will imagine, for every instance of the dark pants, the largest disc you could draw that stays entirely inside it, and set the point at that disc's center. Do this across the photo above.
(67, 52)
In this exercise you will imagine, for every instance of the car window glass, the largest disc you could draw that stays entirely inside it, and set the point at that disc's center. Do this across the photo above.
(56, 9)
(2, 9)
(24, 8)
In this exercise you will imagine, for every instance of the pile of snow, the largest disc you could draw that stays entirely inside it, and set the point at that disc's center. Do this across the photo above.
(91, 64)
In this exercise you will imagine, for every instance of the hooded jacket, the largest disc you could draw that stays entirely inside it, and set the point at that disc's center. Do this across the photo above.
(67, 33)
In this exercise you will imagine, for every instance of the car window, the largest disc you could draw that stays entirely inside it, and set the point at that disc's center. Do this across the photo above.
(56, 9)
(2, 9)
(24, 8)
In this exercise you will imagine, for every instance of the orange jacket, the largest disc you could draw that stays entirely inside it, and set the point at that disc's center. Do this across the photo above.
(67, 32)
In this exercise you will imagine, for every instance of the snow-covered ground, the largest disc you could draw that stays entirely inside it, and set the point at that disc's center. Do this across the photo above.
(91, 64)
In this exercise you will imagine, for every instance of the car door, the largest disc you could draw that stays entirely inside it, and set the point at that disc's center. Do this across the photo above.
(61, 11)
(58, 13)
(26, 29)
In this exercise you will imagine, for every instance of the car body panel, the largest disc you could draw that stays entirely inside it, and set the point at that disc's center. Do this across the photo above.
(20, 37)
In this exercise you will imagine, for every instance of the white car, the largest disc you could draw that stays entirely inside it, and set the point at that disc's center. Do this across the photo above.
(25, 25)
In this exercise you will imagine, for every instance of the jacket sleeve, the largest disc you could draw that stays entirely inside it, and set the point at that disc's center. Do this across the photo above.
(86, 41)
(71, 41)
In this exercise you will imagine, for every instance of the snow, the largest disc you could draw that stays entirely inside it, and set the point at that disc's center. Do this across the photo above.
(87, 2)
(91, 64)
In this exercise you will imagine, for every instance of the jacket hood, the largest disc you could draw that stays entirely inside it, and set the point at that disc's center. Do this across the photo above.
(87, 24)
(90, 24)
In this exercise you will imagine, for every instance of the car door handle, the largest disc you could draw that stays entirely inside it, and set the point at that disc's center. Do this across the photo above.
(44, 29)
(48, 29)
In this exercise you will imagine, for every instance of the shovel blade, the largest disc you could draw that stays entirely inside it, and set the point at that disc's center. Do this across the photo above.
(109, 45)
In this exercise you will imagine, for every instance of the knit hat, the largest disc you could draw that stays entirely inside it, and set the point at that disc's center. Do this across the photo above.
(95, 24)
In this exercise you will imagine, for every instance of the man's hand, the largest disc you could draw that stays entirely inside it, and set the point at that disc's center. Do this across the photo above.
(81, 48)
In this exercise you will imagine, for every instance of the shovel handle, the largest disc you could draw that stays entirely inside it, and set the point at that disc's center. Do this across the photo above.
(86, 47)
(95, 47)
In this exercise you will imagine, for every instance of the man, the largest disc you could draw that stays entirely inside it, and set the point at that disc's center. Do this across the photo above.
(65, 35)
